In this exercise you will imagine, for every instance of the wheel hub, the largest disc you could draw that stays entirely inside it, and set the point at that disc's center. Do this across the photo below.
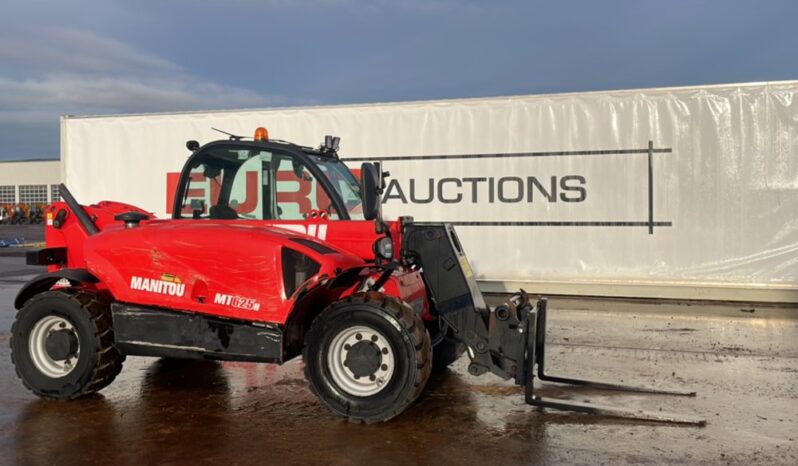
(360, 360)
(61, 344)
(54, 346)
(363, 359)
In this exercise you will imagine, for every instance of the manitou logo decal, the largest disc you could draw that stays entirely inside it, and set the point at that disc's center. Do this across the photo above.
(248, 304)
(168, 285)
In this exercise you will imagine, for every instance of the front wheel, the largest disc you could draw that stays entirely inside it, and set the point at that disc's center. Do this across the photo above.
(368, 357)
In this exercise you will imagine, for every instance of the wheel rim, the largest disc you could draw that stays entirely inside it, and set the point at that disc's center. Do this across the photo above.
(45, 362)
(351, 358)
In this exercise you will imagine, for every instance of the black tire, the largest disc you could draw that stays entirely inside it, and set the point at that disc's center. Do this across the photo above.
(405, 333)
(98, 361)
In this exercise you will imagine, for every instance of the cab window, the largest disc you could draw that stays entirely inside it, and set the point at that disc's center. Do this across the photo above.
(298, 193)
(230, 183)
(343, 182)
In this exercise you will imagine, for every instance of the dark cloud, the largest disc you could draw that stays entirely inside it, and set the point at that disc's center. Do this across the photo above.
(55, 71)
(104, 56)
(79, 71)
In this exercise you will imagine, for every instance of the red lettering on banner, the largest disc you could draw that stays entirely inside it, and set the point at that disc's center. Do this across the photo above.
(299, 197)
(173, 179)
(171, 186)
(251, 201)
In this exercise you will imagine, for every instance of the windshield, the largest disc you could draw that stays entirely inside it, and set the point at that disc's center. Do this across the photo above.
(344, 183)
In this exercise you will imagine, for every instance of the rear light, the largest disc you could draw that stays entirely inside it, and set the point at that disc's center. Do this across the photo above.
(47, 256)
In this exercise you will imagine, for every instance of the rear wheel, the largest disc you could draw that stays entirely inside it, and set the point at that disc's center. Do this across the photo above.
(62, 344)
(368, 357)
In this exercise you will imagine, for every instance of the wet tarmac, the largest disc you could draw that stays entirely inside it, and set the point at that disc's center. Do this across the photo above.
(28, 233)
(743, 364)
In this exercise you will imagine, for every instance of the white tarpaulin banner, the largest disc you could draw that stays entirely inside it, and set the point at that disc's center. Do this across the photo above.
(658, 192)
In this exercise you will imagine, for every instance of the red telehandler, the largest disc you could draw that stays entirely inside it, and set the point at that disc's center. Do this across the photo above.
(273, 250)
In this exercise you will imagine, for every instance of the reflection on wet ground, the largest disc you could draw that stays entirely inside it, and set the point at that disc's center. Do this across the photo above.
(744, 367)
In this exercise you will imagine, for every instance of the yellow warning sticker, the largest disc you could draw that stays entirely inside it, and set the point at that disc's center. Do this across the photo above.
(466, 267)
(168, 277)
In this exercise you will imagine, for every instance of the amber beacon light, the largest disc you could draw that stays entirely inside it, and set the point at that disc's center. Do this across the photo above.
(261, 134)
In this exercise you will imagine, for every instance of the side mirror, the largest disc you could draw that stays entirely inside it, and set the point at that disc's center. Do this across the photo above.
(369, 190)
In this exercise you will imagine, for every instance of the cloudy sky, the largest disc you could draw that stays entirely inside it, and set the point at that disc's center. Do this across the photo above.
(122, 56)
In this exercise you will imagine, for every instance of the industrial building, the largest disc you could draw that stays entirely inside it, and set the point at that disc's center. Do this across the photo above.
(29, 181)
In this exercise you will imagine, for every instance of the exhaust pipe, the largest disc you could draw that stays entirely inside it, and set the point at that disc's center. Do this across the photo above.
(84, 219)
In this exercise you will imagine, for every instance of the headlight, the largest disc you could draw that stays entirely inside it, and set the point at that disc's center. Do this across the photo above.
(384, 248)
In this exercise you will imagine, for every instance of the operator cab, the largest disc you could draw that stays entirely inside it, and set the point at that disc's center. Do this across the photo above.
(265, 179)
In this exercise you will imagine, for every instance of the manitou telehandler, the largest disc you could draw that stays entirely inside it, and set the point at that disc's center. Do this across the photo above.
(273, 250)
